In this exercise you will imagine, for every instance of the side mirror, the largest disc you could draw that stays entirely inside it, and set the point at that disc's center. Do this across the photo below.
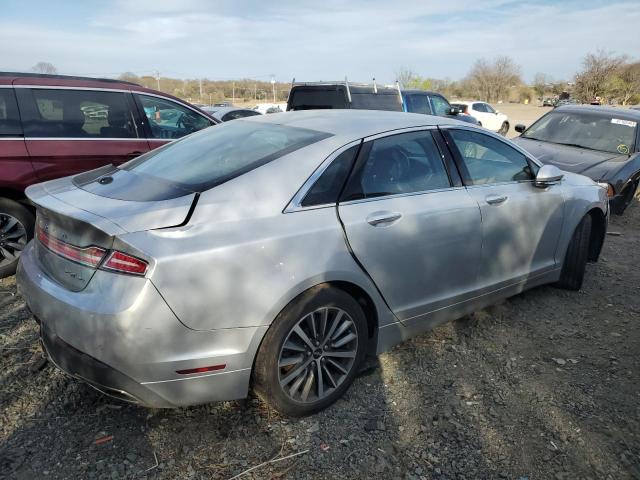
(548, 175)
(520, 128)
(454, 111)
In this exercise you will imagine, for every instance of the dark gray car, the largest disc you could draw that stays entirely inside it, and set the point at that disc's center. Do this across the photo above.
(599, 142)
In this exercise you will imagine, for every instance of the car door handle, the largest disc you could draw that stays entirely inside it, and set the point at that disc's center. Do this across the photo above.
(378, 218)
(134, 154)
(495, 199)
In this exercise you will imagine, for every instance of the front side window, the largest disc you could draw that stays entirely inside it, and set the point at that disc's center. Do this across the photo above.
(169, 120)
(440, 105)
(239, 114)
(404, 163)
(9, 118)
(418, 104)
(593, 131)
(488, 108)
(213, 156)
(79, 114)
(489, 160)
(479, 107)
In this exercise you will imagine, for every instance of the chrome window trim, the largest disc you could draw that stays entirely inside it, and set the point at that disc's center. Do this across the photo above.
(6, 86)
(401, 195)
(294, 204)
(61, 87)
(86, 139)
(400, 131)
(12, 138)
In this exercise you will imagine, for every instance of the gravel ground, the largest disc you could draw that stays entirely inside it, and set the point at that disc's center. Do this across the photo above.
(545, 385)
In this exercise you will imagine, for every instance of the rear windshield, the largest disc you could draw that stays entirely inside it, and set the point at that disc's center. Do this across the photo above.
(217, 154)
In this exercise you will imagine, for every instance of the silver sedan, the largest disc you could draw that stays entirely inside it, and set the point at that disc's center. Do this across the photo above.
(276, 252)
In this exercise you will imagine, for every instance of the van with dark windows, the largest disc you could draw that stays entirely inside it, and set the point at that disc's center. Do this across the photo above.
(53, 126)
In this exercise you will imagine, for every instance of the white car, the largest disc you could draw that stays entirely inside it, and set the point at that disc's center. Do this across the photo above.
(489, 117)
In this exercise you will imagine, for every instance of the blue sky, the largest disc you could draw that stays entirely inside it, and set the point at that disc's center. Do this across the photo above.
(311, 39)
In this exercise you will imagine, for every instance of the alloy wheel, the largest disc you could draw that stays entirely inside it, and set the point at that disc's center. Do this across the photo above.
(13, 239)
(317, 355)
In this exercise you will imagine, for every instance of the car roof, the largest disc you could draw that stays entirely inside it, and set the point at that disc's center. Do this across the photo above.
(424, 92)
(11, 77)
(352, 122)
(605, 111)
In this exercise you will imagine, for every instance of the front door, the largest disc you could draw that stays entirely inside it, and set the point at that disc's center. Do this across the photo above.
(417, 236)
(521, 223)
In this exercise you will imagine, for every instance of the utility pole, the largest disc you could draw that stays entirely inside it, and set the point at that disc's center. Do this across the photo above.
(157, 74)
(273, 86)
(200, 89)
(255, 92)
(233, 93)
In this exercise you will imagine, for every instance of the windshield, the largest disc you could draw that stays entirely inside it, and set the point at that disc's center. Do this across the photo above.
(215, 155)
(587, 130)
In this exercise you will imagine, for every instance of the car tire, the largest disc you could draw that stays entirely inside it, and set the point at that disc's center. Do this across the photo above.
(575, 260)
(627, 197)
(16, 229)
(504, 129)
(274, 376)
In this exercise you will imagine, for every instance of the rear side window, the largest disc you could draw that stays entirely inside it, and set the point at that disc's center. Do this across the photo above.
(317, 98)
(376, 101)
(78, 114)
(404, 163)
(327, 188)
(214, 156)
(9, 118)
(418, 104)
(239, 114)
(169, 120)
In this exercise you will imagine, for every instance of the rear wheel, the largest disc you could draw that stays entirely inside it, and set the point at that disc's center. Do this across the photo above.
(16, 229)
(312, 352)
(504, 128)
(575, 260)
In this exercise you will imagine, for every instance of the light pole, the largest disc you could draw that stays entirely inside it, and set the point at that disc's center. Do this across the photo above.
(158, 78)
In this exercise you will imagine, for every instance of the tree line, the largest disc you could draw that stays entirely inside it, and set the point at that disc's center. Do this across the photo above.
(610, 78)
(604, 76)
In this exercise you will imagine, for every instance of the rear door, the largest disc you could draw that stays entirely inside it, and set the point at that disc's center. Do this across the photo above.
(408, 222)
(521, 223)
(71, 130)
(16, 171)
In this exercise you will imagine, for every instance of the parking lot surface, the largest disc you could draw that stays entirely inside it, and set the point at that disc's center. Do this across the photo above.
(545, 385)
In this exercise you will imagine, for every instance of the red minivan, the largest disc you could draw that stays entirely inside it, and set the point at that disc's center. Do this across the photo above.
(52, 126)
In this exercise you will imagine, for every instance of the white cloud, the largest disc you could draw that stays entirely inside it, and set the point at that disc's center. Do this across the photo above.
(309, 40)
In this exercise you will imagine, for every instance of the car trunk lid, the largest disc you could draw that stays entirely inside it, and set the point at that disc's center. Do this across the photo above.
(76, 227)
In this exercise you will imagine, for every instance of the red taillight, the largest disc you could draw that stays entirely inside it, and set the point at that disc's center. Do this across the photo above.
(123, 263)
(89, 256)
(92, 256)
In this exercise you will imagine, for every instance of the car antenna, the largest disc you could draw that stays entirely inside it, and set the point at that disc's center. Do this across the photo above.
(375, 86)
(346, 82)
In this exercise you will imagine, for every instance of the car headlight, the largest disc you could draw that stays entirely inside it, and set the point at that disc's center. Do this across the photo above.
(608, 187)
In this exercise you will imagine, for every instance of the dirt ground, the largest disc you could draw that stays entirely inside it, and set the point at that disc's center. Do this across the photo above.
(520, 113)
(545, 385)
